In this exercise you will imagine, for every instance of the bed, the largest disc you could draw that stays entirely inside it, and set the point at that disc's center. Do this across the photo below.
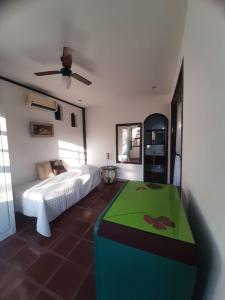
(47, 199)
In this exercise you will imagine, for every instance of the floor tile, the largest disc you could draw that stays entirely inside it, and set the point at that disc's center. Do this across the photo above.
(65, 244)
(100, 205)
(24, 258)
(87, 201)
(32, 237)
(22, 221)
(43, 295)
(89, 234)
(78, 228)
(44, 267)
(11, 247)
(88, 215)
(4, 267)
(87, 290)
(83, 254)
(7, 275)
(25, 290)
(61, 223)
(67, 280)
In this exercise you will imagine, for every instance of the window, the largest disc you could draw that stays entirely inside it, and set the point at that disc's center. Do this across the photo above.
(58, 113)
(73, 120)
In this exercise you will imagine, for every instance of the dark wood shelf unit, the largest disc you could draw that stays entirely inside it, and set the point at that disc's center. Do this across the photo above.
(156, 148)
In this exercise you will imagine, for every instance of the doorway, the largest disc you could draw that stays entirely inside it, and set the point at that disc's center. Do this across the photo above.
(177, 133)
(155, 148)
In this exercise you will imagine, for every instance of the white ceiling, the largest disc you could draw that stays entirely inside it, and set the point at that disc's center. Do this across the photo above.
(123, 46)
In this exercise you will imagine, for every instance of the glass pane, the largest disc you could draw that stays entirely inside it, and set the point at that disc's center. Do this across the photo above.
(129, 143)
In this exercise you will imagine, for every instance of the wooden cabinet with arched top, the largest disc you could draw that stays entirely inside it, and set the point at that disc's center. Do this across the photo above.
(156, 148)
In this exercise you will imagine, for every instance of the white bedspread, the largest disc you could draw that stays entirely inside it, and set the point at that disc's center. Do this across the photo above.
(47, 199)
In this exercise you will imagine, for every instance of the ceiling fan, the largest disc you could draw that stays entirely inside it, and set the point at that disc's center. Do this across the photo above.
(66, 71)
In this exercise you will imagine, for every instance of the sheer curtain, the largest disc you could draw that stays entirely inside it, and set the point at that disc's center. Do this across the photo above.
(7, 219)
(177, 164)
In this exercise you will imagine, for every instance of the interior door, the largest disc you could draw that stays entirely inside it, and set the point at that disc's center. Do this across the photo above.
(7, 218)
(177, 133)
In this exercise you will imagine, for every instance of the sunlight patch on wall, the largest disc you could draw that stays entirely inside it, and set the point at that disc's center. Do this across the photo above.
(71, 154)
(5, 175)
(89, 157)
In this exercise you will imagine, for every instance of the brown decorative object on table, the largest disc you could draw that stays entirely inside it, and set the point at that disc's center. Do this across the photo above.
(109, 173)
(161, 222)
(154, 186)
(41, 129)
(140, 188)
(57, 166)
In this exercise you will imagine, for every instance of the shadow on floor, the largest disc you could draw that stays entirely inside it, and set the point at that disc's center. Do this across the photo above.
(209, 260)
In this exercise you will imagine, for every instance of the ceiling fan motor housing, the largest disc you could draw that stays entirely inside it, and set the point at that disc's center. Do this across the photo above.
(66, 72)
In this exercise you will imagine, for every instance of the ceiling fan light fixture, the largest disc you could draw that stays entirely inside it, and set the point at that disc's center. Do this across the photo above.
(66, 81)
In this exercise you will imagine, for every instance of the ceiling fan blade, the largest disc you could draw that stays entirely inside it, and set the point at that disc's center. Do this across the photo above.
(81, 79)
(47, 73)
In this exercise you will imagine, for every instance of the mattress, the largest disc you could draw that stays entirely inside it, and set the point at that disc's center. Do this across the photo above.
(47, 199)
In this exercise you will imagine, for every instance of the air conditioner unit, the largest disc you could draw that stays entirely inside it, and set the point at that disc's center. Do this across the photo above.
(41, 102)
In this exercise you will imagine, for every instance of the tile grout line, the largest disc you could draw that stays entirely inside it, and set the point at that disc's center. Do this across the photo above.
(82, 282)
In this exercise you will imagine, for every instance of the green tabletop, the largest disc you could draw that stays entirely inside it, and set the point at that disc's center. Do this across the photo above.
(137, 200)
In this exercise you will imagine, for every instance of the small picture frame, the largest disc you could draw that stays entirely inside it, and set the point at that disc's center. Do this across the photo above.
(41, 129)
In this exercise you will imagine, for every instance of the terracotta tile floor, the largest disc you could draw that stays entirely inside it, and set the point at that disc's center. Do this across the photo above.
(60, 267)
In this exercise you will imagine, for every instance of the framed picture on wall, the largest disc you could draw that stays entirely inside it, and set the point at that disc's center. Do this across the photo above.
(41, 129)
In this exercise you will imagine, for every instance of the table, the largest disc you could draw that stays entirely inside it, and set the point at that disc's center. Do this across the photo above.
(109, 173)
(144, 248)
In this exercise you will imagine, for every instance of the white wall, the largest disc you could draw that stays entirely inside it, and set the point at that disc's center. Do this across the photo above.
(204, 139)
(25, 150)
(101, 134)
